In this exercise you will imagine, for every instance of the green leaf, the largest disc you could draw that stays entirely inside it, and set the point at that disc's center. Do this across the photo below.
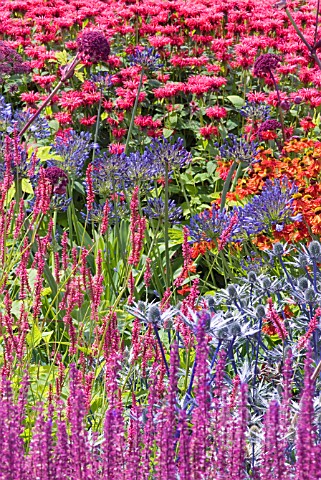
(34, 336)
(54, 125)
(231, 125)
(236, 100)
(210, 167)
(176, 236)
(79, 75)
(10, 195)
(167, 132)
(26, 186)
(45, 291)
(173, 119)
(62, 57)
(15, 308)
(43, 153)
(46, 336)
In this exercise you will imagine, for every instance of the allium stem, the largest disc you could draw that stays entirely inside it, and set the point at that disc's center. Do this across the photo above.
(302, 37)
(316, 23)
(227, 184)
(131, 125)
(65, 77)
(279, 104)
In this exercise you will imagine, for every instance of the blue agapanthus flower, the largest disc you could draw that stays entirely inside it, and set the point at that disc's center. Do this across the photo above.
(106, 173)
(210, 224)
(74, 150)
(161, 151)
(238, 149)
(256, 111)
(156, 209)
(146, 58)
(39, 128)
(139, 168)
(5, 111)
(272, 208)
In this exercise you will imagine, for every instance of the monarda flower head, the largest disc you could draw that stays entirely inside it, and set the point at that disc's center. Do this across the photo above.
(265, 64)
(93, 46)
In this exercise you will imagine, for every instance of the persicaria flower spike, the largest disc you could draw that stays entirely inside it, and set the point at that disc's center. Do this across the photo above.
(93, 46)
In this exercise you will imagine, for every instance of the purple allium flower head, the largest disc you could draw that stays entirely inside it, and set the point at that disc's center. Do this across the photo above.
(11, 62)
(93, 46)
(265, 64)
(58, 179)
(268, 125)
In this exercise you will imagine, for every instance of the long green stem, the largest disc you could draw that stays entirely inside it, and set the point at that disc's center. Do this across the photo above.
(97, 124)
(168, 266)
(237, 176)
(227, 184)
(131, 125)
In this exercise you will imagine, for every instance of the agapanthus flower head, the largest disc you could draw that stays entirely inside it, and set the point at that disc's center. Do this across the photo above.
(11, 62)
(265, 63)
(102, 79)
(96, 214)
(106, 173)
(256, 111)
(210, 224)
(164, 152)
(39, 129)
(146, 58)
(272, 208)
(74, 149)
(58, 179)
(156, 209)
(5, 111)
(237, 149)
(93, 46)
(139, 168)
